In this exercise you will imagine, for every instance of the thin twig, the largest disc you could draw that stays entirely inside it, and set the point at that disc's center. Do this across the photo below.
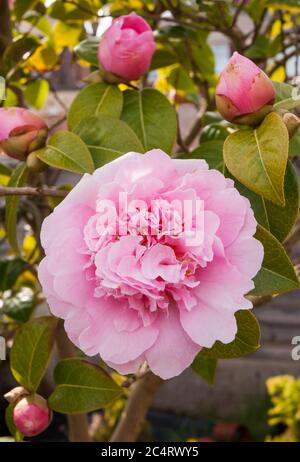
(29, 191)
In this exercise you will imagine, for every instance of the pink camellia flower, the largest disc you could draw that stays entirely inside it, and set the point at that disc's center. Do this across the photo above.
(127, 47)
(31, 415)
(21, 132)
(244, 89)
(136, 279)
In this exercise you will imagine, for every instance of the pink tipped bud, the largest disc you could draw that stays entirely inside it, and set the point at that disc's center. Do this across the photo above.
(244, 94)
(31, 415)
(126, 48)
(21, 132)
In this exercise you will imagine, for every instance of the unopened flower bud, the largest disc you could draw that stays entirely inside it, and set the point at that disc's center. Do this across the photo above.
(244, 94)
(126, 48)
(21, 132)
(34, 163)
(31, 415)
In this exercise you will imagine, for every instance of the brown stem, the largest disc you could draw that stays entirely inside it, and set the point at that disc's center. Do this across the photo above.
(77, 424)
(133, 417)
(29, 191)
(5, 26)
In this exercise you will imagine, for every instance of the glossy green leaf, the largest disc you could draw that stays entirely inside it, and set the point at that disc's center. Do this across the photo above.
(81, 387)
(31, 351)
(205, 367)
(10, 269)
(17, 179)
(107, 138)
(95, 99)
(247, 339)
(277, 274)
(66, 151)
(278, 220)
(152, 117)
(212, 152)
(257, 158)
(88, 50)
(19, 305)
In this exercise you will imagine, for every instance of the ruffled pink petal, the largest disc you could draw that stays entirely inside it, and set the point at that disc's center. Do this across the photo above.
(173, 350)
(204, 325)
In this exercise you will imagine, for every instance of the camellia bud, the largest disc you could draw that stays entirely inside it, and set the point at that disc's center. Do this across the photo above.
(21, 132)
(292, 123)
(34, 163)
(126, 49)
(244, 94)
(31, 415)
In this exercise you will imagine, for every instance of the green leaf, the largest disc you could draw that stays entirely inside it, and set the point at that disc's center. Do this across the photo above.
(205, 367)
(19, 305)
(18, 436)
(17, 179)
(22, 6)
(88, 50)
(95, 99)
(36, 93)
(31, 351)
(287, 96)
(19, 50)
(180, 79)
(150, 114)
(162, 58)
(294, 148)
(257, 158)
(66, 151)
(81, 387)
(247, 339)
(107, 138)
(71, 12)
(277, 274)
(10, 269)
(212, 152)
(213, 131)
(203, 58)
(264, 48)
(41, 23)
(283, 90)
(278, 220)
